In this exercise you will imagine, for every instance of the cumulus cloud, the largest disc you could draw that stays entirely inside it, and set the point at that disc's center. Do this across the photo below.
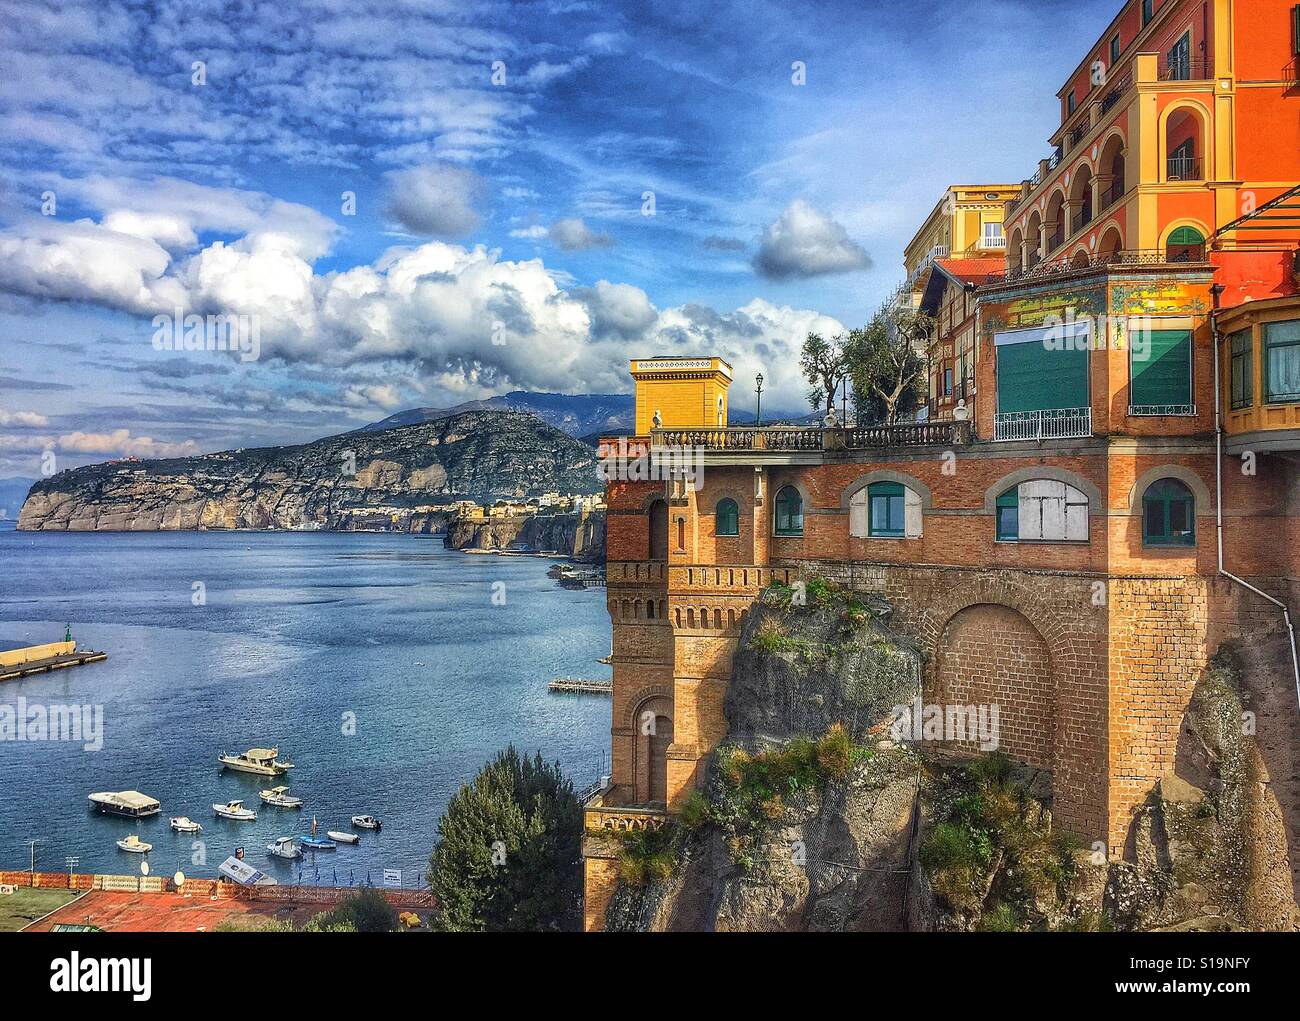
(23, 418)
(437, 200)
(804, 242)
(717, 243)
(617, 310)
(573, 235)
(121, 443)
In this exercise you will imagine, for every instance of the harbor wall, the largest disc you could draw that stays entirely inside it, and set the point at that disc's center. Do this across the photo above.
(17, 657)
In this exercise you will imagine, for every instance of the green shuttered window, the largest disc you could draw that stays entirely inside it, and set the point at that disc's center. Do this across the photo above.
(887, 510)
(1160, 366)
(1039, 371)
(728, 518)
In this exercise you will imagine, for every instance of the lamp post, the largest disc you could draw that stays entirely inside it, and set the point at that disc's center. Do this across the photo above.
(758, 408)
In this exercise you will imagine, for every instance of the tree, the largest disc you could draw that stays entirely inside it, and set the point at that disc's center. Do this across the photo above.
(824, 365)
(509, 851)
(886, 364)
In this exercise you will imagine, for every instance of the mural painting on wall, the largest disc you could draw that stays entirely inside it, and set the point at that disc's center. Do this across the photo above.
(1035, 309)
(1167, 297)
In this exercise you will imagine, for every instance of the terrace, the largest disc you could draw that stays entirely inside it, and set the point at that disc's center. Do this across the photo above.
(813, 439)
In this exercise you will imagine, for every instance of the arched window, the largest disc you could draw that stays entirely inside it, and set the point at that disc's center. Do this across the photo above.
(789, 512)
(1168, 514)
(1042, 510)
(885, 510)
(1186, 244)
(727, 518)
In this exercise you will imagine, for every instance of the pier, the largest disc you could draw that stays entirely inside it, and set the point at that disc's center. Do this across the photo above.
(575, 685)
(39, 659)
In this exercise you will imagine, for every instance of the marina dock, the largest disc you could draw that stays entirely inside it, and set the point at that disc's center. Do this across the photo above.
(40, 659)
(575, 685)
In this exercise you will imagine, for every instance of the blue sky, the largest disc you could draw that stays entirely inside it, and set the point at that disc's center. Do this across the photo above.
(503, 158)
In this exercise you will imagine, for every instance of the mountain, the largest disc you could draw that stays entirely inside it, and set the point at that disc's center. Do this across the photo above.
(586, 416)
(13, 491)
(475, 455)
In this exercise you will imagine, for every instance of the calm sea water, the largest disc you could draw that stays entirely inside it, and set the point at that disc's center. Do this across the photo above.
(298, 630)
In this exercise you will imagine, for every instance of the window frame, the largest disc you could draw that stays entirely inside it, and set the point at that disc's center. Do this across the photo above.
(1115, 50)
(1008, 501)
(1148, 12)
(1266, 347)
(1166, 501)
(790, 531)
(734, 512)
(1188, 407)
(895, 496)
(1246, 398)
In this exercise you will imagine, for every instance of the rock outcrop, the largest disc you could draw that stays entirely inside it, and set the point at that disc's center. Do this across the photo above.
(580, 535)
(479, 455)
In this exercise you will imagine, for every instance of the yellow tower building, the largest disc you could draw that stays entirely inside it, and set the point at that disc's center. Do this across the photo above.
(685, 393)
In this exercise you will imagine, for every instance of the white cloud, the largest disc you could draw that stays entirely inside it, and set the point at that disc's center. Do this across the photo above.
(23, 418)
(573, 235)
(436, 200)
(804, 242)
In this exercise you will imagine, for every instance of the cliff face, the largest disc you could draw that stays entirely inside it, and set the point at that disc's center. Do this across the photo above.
(479, 455)
(580, 536)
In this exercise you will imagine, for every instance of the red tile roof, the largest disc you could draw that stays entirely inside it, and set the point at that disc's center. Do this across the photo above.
(974, 271)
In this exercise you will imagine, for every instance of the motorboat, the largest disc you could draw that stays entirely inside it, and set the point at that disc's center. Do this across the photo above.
(131, 804)
(235, 810)
(284, 847)
(341, 837)
(262, 761)
(184, 824)
(280, 798)
(367, 822)
(134, 844)
(317, 843)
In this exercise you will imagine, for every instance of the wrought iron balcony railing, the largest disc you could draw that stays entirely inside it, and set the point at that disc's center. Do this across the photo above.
(1185, 168)
(1162, 410)
(1112, 194)
(1098, 260)
(1185, 69)
(1059, 424)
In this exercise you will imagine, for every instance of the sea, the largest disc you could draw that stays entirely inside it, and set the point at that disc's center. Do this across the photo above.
(387, 668)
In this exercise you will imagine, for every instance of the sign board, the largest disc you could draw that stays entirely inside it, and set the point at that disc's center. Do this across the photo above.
(393, 877)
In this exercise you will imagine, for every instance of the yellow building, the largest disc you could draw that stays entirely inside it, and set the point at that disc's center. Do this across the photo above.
(684, 393)
(967, 220)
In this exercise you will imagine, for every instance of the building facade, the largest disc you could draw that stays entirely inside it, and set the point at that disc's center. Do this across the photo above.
(1123, 497)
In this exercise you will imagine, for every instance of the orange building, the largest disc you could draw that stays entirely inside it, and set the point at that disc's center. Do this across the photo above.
(1121, 501)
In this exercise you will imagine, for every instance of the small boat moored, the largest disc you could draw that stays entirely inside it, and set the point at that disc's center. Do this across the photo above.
(134, 844)
(280, 798)
(184, 824)
(235, 810)
(131, 804)
(341, 837)
(317, 843)
(261, 761)
(367, 822)
(284, 847)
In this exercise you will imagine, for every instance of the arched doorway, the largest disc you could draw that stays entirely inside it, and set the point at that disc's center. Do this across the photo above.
(659, 531)
(653, 736)
(991, 655)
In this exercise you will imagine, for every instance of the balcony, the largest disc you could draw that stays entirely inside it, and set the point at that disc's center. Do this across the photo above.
(813, 438)
(1112, 195)
(1092, 263)
(1184, 168)
(1185, 69)
(1059, 424)
(1056, 240)
(776, 438)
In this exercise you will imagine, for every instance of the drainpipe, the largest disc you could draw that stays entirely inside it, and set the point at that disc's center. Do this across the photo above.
(1217, 291)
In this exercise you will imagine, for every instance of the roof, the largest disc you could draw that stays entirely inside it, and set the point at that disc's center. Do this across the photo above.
(973, 271)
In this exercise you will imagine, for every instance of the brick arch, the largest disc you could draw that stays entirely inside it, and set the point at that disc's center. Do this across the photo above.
(1096, 505)
(641, 697)
(884, 475)
(650, 751)
(992, 654)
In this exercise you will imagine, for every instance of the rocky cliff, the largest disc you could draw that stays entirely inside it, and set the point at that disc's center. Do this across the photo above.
(577, 535)
(478, 455)
(813, 818)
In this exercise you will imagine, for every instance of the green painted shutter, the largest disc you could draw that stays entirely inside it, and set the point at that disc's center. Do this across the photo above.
(1164, 375)
(1035, 377)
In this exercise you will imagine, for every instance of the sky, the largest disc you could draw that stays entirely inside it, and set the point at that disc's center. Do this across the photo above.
(407, 203)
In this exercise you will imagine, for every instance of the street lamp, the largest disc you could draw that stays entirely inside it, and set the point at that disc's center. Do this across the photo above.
(758, 409)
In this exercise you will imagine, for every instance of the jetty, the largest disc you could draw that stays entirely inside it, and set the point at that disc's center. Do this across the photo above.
(39, 659)
(583, 687)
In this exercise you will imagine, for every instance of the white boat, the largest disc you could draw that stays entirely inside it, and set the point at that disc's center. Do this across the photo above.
(234, 810)
(284, 847)
(131, 804)
(184, 824)
(280, 798)
(261, 761)
(134, 844)
(367, 822)
(341, 837)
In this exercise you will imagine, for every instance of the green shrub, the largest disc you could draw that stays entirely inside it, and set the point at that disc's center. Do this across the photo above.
(1002, 918)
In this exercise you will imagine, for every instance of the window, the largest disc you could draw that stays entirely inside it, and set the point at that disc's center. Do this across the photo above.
(789, 512)
(1042, 510)
(1114, 50)
(1179, 64)
(1295, 30)
(885, 510)
(1168, 514)
(947, 381)
(1242, 372)
(992, 234)
(1186, 244)
(1043, 370)
(1282, 362)
(1160, 372)
(1148, 11)
(727, 520)
(1070, 103)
